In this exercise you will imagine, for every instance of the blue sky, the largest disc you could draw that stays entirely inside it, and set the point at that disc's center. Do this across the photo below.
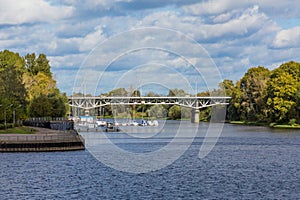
(97, 45)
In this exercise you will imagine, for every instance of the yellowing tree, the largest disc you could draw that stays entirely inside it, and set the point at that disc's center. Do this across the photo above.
(39, 84)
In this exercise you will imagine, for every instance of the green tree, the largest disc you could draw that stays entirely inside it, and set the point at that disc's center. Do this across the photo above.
(12, 90)
(135, 93)
(174, 112)
(253, 92)
(283, 93)
(157, 111)
(30, 63)
(37, 65)
(119, 92)
(177, 93)
(40, 106)
(51, 105)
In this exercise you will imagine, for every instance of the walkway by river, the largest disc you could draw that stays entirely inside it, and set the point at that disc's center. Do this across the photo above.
(42, 139)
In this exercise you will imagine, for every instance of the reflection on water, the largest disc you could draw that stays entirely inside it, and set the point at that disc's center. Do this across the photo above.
(246, 163)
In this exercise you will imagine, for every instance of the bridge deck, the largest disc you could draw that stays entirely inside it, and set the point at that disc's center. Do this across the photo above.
(191, 102)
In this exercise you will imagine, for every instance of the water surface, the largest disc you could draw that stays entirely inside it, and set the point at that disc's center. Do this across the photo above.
(247, 162)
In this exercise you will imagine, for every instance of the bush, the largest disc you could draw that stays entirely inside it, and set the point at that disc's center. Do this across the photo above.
(292, 122)
(8, 125)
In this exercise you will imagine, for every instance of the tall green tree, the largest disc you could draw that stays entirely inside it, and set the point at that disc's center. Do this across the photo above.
(283, 93)
(40, 64)
(51, 105)
(12, 90)
(233, 109)
(253, 87)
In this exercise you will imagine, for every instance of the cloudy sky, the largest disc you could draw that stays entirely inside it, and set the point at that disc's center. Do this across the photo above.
(97, 45)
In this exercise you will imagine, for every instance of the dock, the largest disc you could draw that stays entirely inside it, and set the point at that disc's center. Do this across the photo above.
(43, 140)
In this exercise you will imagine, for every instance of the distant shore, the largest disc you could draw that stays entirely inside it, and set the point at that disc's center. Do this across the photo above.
(272, 125)
(41, 140)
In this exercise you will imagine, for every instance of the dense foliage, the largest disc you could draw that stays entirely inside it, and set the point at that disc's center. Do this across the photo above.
(266, 96)
(27, 88)
(260, 96)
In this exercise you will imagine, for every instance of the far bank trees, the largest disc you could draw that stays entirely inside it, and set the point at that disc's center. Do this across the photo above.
(266, 96)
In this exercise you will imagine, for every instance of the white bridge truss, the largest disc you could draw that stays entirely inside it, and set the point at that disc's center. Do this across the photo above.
(189, 102)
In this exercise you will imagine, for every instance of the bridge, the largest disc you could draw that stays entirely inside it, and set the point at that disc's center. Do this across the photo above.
(195, 103)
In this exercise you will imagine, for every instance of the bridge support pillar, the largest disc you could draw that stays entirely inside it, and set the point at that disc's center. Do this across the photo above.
(195, 115)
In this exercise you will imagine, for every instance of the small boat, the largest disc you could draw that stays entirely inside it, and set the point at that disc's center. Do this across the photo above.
(110, 127)
(152, 123)
(133, 123)
(101, 123)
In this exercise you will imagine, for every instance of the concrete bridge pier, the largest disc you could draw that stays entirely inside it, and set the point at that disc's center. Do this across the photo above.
(195, 115)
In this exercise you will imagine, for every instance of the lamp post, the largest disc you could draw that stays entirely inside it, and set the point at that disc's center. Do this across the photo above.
(0, 105)
(5, 114)
(14, 115)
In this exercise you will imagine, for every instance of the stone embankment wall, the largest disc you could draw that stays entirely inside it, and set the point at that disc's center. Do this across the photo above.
(49, 136)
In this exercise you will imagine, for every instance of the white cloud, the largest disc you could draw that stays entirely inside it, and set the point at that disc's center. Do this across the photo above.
(213, 7)
(237, 34)
(287, 38)
(274, 8)
(30, 11)
(91, 40)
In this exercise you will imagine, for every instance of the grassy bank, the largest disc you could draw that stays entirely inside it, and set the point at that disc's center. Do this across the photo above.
(272, 125)
(248, 123)
(18, 130)
(286, 126)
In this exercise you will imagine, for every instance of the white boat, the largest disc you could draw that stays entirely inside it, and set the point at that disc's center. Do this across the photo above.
(152, 123)
(133, 123)
(101, 123)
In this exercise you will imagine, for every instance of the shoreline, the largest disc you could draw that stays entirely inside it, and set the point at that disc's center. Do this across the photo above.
(42, 140)
(272, 125)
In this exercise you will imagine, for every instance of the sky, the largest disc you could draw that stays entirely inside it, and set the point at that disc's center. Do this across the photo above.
(95, 46)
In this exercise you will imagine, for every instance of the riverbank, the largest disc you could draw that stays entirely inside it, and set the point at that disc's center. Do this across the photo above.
(272, 125)
(41, 140)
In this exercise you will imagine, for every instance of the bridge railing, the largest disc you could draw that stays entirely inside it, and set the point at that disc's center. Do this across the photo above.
(187, 101)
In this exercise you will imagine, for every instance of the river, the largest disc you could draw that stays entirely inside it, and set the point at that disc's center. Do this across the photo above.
(247, 162)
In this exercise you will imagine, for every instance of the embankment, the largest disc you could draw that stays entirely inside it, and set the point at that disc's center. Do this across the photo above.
(42, 140)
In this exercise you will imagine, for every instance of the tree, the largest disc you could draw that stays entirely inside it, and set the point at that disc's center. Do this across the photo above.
(135, 93)
(283, 93)
(177, 93)
(30, 63)
(43, 65)
(119, 92)
(253, 87)
(12, 90)
(152, 94)
(37, 65)
(39, 84)
(51, 105)
(40, 106)
(157, 111)
(174, 112)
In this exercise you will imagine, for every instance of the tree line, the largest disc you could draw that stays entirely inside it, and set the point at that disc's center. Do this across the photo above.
(266, 96)
(27, 88)
(260, 96)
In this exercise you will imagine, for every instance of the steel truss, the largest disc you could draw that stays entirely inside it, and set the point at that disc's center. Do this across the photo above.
(88, 103)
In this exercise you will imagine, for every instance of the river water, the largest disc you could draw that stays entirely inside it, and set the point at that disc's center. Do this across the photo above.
(248, 162)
